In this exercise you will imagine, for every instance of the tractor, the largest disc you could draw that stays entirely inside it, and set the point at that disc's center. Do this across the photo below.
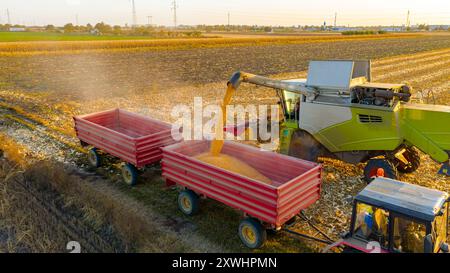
(338, 112)
(390, 216)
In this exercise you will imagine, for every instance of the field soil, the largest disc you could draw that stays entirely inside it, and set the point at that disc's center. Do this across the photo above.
(39, 95)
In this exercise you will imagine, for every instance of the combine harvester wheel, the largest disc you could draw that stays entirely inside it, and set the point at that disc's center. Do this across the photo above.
(412, 156)
(373, 166)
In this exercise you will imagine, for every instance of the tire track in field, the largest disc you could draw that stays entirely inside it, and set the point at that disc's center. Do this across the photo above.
(439, 80)
(429, 80)
(52, 218)
(414, 56)
(409, 62)
(413, 71)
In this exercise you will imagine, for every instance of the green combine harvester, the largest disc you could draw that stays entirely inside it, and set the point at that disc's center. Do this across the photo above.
(338, 112)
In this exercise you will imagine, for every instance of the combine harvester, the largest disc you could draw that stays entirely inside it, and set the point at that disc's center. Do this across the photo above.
(338, 112)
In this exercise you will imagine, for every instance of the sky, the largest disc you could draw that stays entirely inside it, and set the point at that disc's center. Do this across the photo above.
(248, 12)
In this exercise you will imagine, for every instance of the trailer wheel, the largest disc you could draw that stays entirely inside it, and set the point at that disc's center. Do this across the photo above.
(129, 174)
(94, 158)
(188, 202)
(252, 233)
(373, 165)
(413, 158)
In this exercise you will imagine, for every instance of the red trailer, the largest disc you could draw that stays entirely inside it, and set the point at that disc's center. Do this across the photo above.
(135, 139)
(295, 185)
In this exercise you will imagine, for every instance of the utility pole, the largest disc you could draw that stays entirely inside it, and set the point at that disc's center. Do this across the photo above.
(9, 16)
(134, 14)
(174, 8)
(408, 22)
(335, 19)
(228, 19)
(150, 20)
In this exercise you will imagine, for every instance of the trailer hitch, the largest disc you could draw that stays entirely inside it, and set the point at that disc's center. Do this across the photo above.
(305, 236)
(302, 215)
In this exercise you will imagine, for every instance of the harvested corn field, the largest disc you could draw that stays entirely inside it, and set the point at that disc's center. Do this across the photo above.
(42, 86)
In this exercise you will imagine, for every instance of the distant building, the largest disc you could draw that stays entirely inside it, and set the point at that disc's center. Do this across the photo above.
(17, 29)
(95, 31)
(392, 29)
(341, 29)
(439, 27)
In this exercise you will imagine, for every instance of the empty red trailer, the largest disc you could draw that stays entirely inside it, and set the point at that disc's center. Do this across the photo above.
(135, 139)
(295, 185)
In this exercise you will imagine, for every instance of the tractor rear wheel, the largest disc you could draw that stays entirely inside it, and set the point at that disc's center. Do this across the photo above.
(373, 165)
(304, 146)
(413, 158)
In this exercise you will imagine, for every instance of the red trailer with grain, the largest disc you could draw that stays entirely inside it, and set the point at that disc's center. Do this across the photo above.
(135, 139)
(296, 184)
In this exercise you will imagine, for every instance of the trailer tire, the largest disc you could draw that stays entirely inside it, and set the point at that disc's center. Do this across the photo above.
(373, 165)
(413, 157)
(252, 233)
(188, 202)
(94, 158)
(129, 174)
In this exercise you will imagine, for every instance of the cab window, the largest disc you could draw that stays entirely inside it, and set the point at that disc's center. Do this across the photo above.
(409, 235)
(372, 224)
(292, 102)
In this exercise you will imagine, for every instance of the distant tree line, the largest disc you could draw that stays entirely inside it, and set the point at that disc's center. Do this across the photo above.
(363, 32)
(196, 31)
(6, 27)
(105, 29)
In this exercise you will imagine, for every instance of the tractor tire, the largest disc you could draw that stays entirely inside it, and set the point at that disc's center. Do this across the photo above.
(252, 233)
(370, 171)
(304, 146)
(94, 158)
(188, 202)
(413, 157)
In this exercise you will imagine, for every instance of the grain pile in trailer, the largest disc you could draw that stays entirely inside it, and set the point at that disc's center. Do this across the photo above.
(295, 185)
